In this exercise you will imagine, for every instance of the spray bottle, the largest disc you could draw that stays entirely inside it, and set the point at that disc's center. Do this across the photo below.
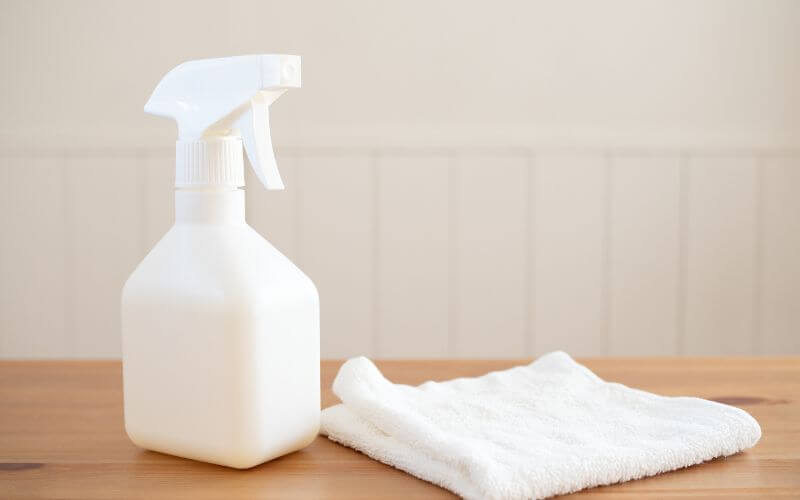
(220, 331)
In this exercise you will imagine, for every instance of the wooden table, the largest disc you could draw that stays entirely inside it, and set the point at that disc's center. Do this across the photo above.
(62, 436)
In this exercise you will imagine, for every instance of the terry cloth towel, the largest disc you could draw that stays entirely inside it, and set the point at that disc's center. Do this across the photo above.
(534, 431)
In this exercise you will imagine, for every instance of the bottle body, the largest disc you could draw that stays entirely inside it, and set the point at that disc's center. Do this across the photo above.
(220, 340)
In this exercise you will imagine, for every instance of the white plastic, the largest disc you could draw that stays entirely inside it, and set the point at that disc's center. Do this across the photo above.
(229, 97)
(211, 161)
(220, 330)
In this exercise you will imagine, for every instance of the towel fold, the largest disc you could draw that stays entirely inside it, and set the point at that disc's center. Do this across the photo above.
(534, 431)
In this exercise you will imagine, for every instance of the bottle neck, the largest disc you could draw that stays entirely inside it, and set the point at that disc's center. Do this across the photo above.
(212, 205)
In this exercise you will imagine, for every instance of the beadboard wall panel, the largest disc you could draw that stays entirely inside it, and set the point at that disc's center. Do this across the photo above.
(33, 258)
(489, 247)
(778, 331)
(721, 255)
(426, 253)
(276, 214)
(570, 254)
(157, 190)
(644, 265)
(336, 248)
(104, 244)
(413, 269)
(633, 192)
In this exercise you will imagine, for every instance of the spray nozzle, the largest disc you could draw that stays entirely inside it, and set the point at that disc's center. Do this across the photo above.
(229, 97)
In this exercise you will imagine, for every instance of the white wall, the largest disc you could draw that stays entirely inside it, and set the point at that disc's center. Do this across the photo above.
(464, 179)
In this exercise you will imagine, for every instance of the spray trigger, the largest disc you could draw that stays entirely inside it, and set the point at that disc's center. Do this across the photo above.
(253, 126)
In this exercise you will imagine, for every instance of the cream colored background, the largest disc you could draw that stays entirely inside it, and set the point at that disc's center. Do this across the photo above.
(465, 179)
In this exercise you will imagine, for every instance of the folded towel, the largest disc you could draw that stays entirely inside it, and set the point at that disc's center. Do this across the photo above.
(534, 431)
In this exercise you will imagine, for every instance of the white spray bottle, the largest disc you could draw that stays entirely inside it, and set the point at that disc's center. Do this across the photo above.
(220, 331)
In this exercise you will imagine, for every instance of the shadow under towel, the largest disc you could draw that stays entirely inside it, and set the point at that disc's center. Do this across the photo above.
(534, 431)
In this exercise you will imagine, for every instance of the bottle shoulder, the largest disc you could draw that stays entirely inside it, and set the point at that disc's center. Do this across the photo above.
(228, 261)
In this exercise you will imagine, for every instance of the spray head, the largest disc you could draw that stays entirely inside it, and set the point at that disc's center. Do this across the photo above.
(227, 98)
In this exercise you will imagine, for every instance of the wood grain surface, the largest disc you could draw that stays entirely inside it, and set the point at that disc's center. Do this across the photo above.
(62, 436)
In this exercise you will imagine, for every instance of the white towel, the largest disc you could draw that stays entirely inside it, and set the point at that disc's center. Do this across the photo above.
(534, 431)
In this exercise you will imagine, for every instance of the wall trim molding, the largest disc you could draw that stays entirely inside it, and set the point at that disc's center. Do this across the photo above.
(324, 151)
